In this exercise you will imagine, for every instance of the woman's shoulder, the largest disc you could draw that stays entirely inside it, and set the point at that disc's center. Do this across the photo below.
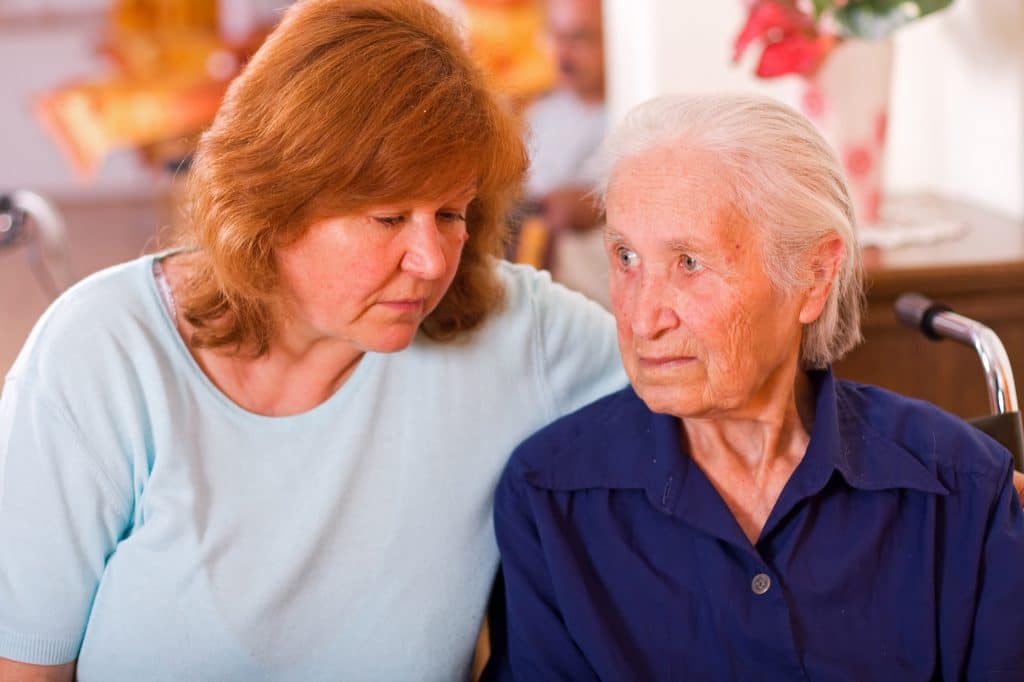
(524, 282)
(590, 447)
(942, 442)
(531, 292)
(521, 282)
(95, 317)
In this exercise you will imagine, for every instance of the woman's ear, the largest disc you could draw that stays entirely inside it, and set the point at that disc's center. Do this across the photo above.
(822, 265)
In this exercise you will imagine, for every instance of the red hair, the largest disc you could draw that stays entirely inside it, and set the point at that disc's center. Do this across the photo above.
(348, 103)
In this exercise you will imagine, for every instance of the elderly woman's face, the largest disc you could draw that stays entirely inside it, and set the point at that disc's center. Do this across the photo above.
(701, 330)
(371, 278)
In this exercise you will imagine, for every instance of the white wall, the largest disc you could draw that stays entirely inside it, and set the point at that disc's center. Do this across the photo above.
(958, 105)
(957, 112)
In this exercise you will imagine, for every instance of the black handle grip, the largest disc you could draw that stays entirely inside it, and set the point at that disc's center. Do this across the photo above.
(12, 218)
(919, 311)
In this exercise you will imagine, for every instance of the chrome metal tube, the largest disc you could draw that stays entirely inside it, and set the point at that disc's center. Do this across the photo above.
(939, 322)
(46, 238)
(1002, 394)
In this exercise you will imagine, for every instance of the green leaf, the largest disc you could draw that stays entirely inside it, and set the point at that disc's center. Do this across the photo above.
(929, 6)
(822, 6)
(875, 19)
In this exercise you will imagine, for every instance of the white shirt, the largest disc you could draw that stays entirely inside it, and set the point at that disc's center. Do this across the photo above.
(563, 137)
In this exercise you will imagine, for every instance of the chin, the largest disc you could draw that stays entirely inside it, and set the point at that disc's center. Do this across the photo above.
(392, 343)
(670, 399)
(393, 347)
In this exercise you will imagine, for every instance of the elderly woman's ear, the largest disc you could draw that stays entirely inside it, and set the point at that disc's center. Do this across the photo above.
(822, 264)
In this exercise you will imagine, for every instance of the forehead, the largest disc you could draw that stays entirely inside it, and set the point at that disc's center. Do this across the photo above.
(670, 195)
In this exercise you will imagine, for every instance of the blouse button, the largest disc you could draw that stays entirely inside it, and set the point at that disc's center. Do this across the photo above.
(760, 584)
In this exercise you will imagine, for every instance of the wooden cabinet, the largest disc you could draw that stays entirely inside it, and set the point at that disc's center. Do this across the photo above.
(979, 274)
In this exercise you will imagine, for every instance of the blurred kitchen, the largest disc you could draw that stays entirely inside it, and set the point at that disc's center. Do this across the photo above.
(103, 101)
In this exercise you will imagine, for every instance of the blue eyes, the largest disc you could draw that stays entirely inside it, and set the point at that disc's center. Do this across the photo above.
(690, 264)
(628, 258)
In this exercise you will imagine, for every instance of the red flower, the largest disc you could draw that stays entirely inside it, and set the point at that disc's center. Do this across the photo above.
(763, 17)
(792, 43)
(793, 54)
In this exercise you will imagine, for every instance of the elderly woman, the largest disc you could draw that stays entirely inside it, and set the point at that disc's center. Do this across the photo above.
(271, 453)
(739, 513)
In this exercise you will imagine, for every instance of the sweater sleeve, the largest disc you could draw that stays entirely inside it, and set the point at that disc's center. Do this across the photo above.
(61, 515)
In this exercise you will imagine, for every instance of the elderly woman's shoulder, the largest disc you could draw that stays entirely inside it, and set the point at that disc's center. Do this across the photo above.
(584, 448)
(942, 442)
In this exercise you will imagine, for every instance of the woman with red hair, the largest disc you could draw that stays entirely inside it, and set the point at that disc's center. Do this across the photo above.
(269, 452)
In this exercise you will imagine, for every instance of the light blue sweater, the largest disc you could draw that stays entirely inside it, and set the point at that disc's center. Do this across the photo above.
(156, 531)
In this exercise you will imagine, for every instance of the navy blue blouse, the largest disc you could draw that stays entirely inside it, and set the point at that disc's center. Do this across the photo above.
(895, 551)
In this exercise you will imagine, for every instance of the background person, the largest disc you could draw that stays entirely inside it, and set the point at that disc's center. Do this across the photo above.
(564, 132)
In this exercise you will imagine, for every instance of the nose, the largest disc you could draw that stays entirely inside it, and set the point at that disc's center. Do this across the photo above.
(652, 315)
(424, 254)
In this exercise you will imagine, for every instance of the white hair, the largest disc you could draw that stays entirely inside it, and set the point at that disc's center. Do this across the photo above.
(786, 181)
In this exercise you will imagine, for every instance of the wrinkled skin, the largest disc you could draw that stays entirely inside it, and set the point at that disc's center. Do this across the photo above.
(701, 330)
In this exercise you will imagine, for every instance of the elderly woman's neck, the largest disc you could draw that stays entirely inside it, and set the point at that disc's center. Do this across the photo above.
(749, 455)
(779, 421)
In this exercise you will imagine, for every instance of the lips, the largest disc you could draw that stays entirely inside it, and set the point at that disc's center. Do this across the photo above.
(656, 362)
(404, 305)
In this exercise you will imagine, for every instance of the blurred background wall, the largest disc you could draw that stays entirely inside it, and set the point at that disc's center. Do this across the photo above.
(37, 53)
(957, 113)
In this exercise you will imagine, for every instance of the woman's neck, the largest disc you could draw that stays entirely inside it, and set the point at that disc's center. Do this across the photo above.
(278, 383)
(750, 456)
(293, 376)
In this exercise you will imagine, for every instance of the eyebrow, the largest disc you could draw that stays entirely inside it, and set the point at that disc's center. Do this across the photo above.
(611, 235)
(683, 246)
(677, 245)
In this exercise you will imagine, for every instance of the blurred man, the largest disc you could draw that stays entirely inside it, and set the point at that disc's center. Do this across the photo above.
(566, 128)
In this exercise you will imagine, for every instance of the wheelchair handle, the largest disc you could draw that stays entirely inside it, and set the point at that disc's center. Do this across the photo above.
(12, 218)
(48, 242)
(938, 321)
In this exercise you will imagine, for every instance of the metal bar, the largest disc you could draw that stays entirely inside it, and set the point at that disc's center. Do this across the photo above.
(937, 321)
(1002, 394)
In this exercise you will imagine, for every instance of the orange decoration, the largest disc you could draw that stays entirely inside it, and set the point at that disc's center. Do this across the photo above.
(172, 69)
(507, 37)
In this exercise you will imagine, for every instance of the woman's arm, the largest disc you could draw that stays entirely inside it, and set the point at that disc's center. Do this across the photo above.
(12, 671)
(63, 512)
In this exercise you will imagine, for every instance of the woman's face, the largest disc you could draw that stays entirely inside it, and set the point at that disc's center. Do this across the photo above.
(701, 330)
(370, 279)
